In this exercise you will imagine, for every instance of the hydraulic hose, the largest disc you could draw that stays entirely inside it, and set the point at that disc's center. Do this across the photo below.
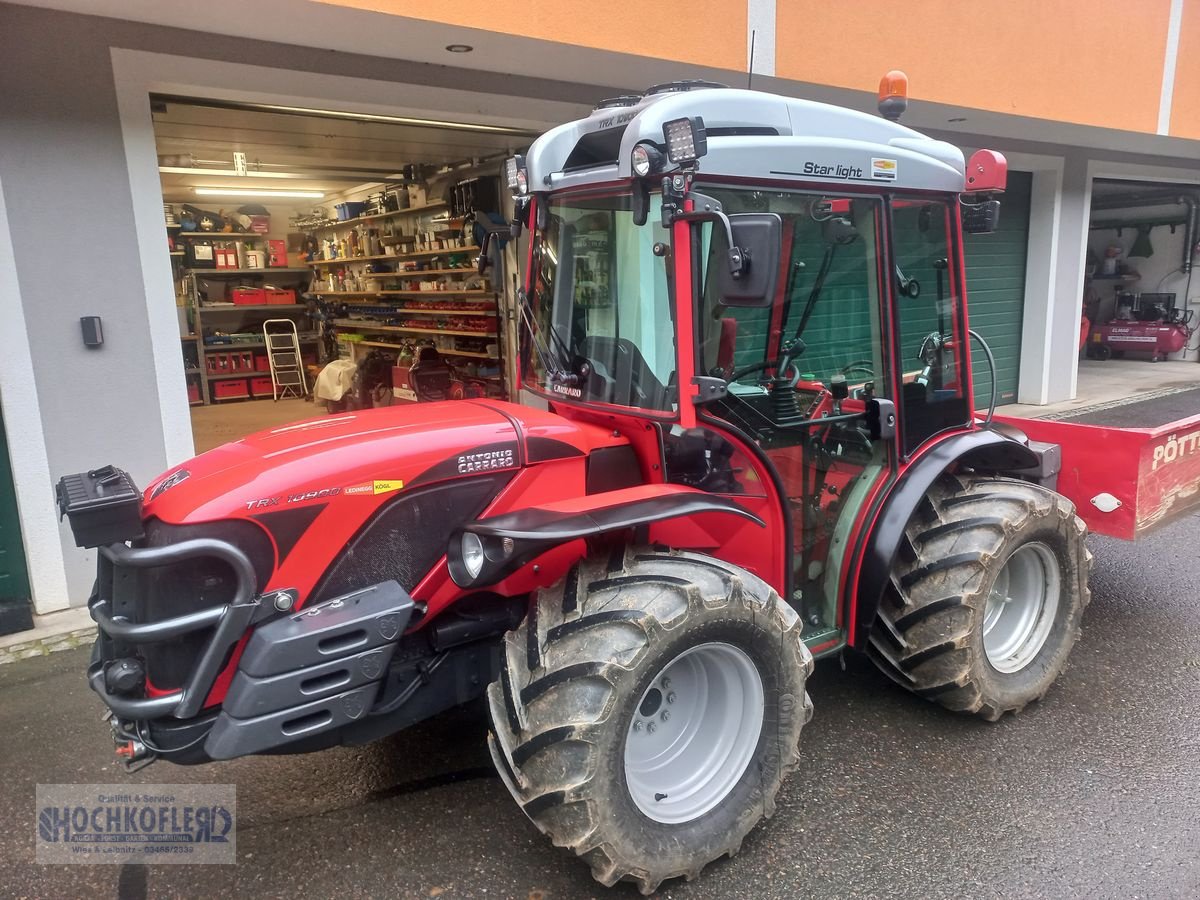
(987, 351)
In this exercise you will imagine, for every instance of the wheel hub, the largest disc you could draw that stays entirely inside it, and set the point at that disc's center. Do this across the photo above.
(694, 733)
(1021, 607)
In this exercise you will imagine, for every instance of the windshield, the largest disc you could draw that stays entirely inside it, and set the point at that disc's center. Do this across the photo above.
(599, 321)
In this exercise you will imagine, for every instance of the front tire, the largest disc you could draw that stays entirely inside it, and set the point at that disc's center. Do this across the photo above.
(649, 709)
(986, 596)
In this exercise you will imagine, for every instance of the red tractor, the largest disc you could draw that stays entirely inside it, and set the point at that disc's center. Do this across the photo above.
(749, 441)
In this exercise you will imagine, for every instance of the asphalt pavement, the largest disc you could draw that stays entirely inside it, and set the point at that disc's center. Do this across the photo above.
(1094, 792)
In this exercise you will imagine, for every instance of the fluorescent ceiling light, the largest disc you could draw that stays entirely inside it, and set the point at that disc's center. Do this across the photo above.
(251, 192)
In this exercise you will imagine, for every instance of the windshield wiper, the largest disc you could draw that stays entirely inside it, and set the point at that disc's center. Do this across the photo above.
(555, 360)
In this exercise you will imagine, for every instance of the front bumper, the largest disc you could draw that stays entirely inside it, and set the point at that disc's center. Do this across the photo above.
(116, 607)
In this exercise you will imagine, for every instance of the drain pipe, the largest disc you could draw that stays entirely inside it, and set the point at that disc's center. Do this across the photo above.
(1192, 233)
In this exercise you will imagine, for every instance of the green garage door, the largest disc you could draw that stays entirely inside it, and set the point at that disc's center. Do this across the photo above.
(996, 291)
(15, 613)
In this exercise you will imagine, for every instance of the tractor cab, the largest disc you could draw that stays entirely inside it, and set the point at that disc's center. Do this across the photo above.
(775, 286)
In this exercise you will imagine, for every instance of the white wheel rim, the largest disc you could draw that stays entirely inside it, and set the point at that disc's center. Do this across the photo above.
(693, 733)
(1021, 607)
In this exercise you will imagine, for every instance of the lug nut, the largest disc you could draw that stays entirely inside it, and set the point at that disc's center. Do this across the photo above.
(666, 714)
(666, 683)
(637, 726)
(671, 697)
(650, 728)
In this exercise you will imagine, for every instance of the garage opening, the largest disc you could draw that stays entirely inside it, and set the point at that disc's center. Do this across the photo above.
(1143, 237)
(330, 258)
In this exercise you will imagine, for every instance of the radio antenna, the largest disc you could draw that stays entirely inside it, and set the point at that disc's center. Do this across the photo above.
(750, 74)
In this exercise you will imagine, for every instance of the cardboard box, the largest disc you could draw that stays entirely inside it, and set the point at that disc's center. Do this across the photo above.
(416, 195)
(277, 253)
(256, 259)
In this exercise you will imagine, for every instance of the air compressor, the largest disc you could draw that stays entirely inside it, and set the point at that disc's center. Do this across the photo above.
(1148, 323)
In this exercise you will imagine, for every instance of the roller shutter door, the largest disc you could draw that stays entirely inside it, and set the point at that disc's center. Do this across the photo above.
(996, 291)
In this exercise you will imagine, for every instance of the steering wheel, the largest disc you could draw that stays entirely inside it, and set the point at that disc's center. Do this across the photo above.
(739, 374)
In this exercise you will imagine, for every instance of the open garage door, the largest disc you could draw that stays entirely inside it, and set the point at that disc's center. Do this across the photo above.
(996, 291)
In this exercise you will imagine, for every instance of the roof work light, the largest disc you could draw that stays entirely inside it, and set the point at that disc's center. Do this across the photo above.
(686, 139)
(515, 175)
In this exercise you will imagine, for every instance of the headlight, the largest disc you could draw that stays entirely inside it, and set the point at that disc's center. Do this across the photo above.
(645, 159)
(472, 554)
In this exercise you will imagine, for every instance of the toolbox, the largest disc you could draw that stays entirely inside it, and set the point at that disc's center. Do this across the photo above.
(103, 506)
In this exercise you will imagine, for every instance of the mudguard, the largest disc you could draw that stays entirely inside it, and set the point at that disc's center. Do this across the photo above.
(510, 541)
(983, 450)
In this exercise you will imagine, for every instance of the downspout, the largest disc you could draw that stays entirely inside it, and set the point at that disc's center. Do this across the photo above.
(1191, 233)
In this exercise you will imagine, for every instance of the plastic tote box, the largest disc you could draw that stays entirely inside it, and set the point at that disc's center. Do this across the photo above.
(230, 389)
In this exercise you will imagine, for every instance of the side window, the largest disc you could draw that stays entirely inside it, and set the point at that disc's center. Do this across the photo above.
(932, 332)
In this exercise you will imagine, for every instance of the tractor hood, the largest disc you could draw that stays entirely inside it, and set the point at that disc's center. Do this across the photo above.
(370, 452)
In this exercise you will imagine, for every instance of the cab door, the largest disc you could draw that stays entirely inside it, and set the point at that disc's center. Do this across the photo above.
(800, 375)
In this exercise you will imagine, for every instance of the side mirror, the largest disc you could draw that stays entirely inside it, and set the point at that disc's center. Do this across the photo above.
(759, 237)
(980, 218)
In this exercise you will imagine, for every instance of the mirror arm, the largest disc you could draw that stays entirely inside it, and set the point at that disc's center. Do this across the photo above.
(739, 259)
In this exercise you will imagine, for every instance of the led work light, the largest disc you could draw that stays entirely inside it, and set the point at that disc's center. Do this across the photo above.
(515, 175)
(686, 139)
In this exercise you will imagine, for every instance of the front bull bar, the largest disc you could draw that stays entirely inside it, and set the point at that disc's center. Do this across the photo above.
(230, 620)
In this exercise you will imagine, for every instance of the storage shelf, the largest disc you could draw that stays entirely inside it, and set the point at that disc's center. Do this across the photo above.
(367, 326)
(358, 220)
(471, 353)
(251, 345)
(445, 251)
(222, 236)
(443, 312)
(347, 259)
(279, 270)
(414, 273)
(187, 337)
(344, 293)
(176, 253)
(459, 294)
(251, 307)
(248, 373)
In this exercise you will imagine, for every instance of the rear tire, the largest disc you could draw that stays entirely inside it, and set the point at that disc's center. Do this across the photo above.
(986, 596)
(600, 664)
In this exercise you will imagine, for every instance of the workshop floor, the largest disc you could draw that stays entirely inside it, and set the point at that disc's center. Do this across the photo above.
(221, 423)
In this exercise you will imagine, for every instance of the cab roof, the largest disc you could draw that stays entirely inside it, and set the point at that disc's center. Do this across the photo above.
(751, 134)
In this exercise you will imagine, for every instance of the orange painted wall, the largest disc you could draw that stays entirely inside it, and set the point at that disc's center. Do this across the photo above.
(1185, 106)
(1096, 62)
(703, 32)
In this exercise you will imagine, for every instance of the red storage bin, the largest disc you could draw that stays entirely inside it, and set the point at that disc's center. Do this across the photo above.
(261, 387)
(248, 296)
(261, 363)
(193, 392)
(230, 388)
(276, 297)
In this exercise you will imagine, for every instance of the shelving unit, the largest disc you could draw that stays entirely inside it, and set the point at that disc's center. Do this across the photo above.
(382, 300)
(208, 318)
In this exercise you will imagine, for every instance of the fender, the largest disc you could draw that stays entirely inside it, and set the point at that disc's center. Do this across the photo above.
(983, 450)
(513, 539)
